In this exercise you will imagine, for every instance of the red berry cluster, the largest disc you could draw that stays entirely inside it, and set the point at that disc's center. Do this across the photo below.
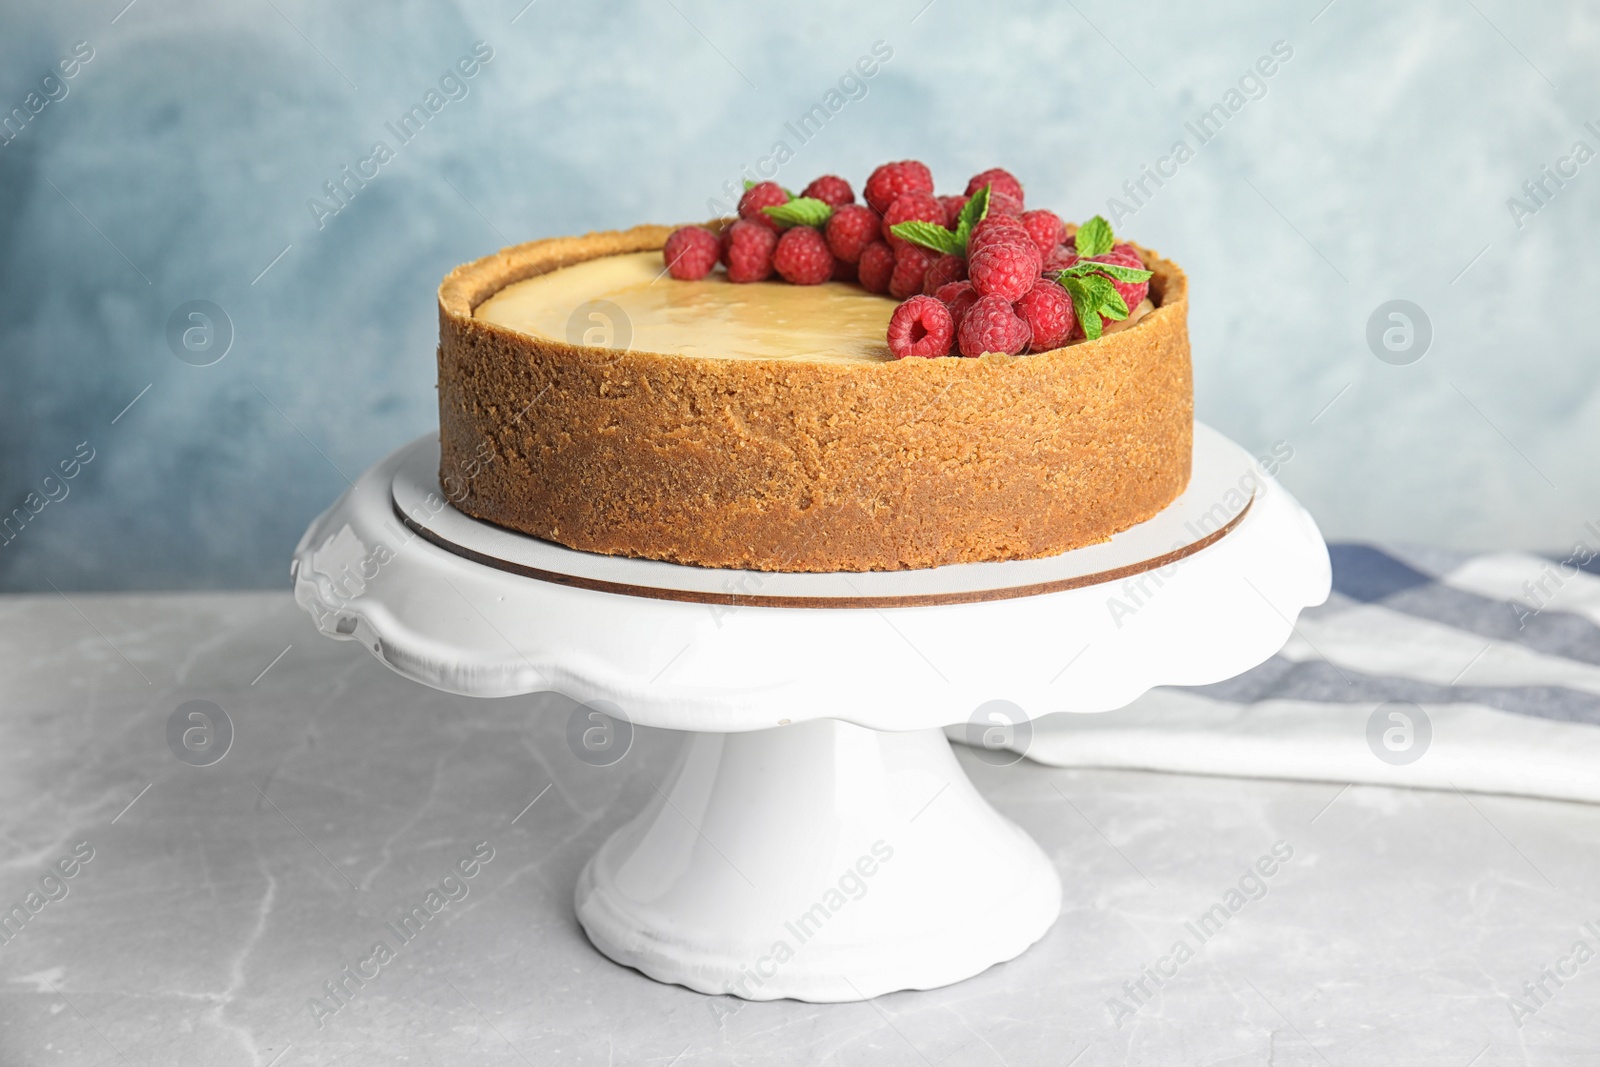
(761, 243)
(967, 287)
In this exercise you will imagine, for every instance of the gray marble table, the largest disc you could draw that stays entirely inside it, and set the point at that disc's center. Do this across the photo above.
(210, 909)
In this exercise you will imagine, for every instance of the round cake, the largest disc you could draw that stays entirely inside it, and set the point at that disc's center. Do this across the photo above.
(587, 399)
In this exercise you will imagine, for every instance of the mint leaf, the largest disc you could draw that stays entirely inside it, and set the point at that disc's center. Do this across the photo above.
(1114, 307)
(805, 211)
(1099, 288)
(1108, 301)
(974, 211)
(1093, 296)
(1111, 270)
(1082, 304)
(930, 235)
(1094, 238)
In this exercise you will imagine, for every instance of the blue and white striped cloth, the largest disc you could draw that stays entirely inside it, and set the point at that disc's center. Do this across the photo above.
(1425, 668)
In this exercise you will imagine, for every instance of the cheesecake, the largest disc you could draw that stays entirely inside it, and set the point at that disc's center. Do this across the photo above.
(766, 426)
(590, 397)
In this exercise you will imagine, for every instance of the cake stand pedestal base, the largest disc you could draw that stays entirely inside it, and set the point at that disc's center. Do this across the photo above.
(818, 839)
(819, 861)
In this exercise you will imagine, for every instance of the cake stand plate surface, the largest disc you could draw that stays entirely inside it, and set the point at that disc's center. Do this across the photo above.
(817, 838)
(1119, 621)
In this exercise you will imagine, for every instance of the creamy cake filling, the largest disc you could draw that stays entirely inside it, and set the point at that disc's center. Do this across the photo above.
(831, 323)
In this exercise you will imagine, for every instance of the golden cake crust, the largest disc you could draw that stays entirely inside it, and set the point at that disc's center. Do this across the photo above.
(793, 465)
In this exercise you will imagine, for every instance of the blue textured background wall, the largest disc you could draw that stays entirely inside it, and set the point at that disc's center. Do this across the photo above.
(1376, 163)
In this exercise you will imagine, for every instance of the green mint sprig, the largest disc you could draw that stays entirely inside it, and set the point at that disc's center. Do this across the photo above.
(1093, 295)
(974, 211)
(800, 211)
(1110, 270)
(930, 235)
(947, 242)
(1089, 284)
(1094, 238)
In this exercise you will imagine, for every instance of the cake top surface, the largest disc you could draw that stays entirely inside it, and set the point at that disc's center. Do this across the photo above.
(833, 322)
(625, 302)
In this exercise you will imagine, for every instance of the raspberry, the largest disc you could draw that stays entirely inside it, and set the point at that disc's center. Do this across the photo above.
(945, 269)
(993, 239)
(990, 325)
(1000, 181)
(921, 327)
(851, 229)
(1004, 204)
(911, 207)
(767, 194)
(831, 190)
(910, 267)
(1046, 229)
(1128, 254)
(843, 272)
(1060, 258)
(952, 210)
(876, 267)
(691, 252)
(893, 180)
(1005, 270)
(958, 297)
(749, 251)
(1047, 310)
(954, 293)
(996, 227)
(802, 257)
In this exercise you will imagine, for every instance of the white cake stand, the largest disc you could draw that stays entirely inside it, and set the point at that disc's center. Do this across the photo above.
(817, 839)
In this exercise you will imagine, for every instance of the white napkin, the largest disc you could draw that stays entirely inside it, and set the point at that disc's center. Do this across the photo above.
(1425, 668)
